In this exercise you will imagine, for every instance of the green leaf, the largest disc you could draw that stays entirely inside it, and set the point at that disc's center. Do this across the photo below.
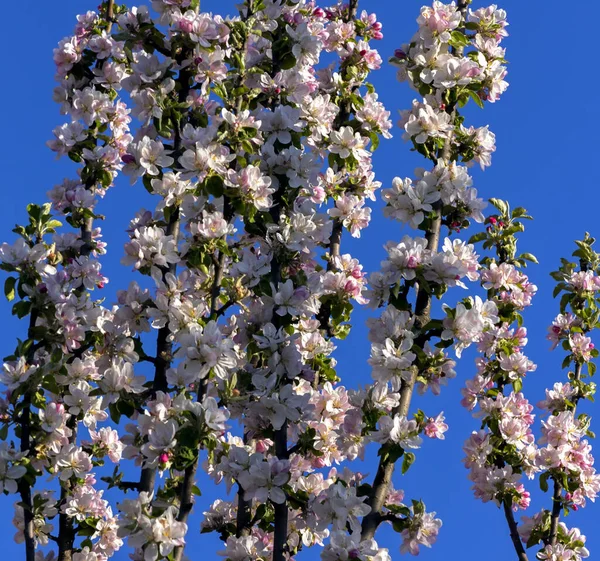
(475, 97)
(374, 140)
(591, 366)
(21, 309)
(479, 237)
(500, 205)
(215, 185)
(544, 481)
(458, 39)
(9, 288)
(529, 257)
(288, 61)
(407, 461)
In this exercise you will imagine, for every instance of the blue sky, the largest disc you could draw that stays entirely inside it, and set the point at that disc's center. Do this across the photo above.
(545, 125)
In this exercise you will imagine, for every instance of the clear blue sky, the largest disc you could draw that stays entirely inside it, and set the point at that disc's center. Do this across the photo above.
(545, 126)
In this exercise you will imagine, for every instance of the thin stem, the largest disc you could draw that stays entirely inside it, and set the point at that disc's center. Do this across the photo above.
(556, 509)
(557, 501)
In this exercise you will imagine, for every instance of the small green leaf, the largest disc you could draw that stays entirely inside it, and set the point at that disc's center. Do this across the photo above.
(407, 461)
(475, 97)
(9, 288)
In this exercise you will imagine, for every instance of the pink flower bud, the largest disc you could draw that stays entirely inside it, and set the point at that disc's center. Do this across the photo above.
(377, 35)
(127, 159)
(163, 458)
(186, 25)
(412, 262)
(319, 13)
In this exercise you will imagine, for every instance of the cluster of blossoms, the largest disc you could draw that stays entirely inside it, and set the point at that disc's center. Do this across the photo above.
(450, 61)
(407, 343)
(564, 453)
(506, 447)
(56, 378)
(258, 156)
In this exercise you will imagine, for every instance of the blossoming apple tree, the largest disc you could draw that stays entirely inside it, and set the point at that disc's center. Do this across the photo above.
(254, 134)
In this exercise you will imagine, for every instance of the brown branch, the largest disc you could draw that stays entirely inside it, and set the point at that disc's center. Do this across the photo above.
(25, 421)
(66, 527)
(164, 347)
(243, 523)
(556, 509)
(385, 470)
(186, 502)
(280, 438)
(514, 533)
(557, 501)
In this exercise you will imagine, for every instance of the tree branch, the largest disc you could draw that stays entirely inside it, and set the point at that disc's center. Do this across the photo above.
(514, 533)
(557, 502)
(24, 487)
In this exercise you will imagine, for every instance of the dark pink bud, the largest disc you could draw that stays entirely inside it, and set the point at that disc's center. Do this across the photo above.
(399, 53)
(186, 25)
(127, 159)
(377, 26)
(100, 285)
(319, 13)
(378, 35)
(198, 60)
(42, 288)
(363, 52)
(164, 458)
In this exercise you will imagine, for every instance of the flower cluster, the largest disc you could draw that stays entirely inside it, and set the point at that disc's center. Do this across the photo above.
(564, 455)
(450, 60)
